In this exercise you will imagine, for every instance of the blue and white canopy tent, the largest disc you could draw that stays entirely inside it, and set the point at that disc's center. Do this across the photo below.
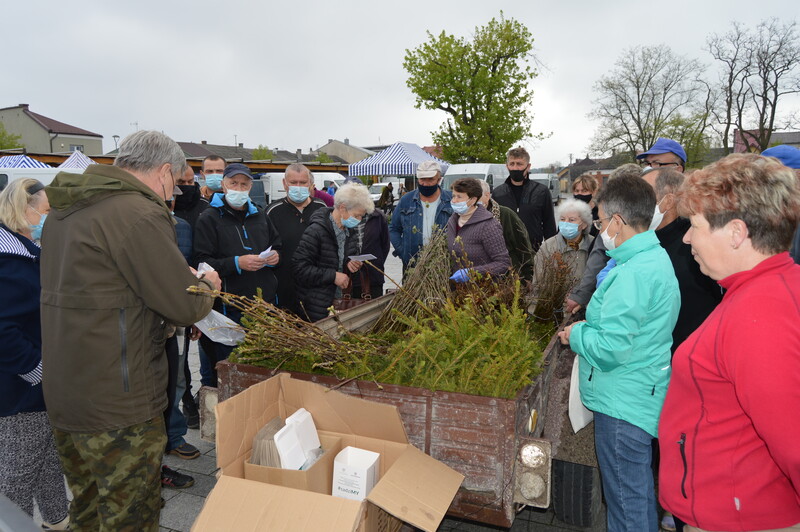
(77, 161)
(21, 161)
(400, 159)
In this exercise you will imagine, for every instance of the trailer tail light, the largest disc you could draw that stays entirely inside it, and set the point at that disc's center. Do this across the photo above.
(532, 473)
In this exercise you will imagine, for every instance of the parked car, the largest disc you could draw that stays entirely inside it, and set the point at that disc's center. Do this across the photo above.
(376, 190)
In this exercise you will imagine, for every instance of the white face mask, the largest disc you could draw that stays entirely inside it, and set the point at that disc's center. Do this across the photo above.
(608, 241)
(658, 217)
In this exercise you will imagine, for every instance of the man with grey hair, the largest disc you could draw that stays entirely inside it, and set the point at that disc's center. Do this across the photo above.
(291, 216)
(113, 287)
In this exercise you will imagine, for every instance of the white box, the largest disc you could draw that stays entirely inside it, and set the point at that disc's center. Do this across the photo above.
(355, 473)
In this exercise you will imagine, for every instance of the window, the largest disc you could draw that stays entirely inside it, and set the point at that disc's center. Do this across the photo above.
(73, 147)
(3, 181)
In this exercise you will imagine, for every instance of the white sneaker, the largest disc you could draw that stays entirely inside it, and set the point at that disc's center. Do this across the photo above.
(61, 525)
(668, 522)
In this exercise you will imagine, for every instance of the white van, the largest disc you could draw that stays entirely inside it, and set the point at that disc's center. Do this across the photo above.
(273, 184)
(45, 175)
(493, 174)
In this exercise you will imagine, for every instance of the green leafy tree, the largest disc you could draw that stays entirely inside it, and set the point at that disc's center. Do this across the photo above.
(323, 157)
(7, 140)
(483, 86)
(262, 153)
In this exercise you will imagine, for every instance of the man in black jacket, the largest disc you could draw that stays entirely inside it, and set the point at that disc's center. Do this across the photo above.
(530, 200)
(189, 203)
(232, 236)
(291, 216)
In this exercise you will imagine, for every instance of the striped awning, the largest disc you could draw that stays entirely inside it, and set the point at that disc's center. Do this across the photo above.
(77, 160)
(21, 161)
(401, 158)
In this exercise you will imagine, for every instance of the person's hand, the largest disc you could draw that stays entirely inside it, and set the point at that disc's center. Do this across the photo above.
(564, 335)
(572, 306)
(194, 333)
(342, 280)
(213, 278)
(461, 276)
(251, 263)
(354, 265)
(273, 259)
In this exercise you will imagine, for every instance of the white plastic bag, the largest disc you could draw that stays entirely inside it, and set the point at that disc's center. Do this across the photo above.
(579, 415)
(221, 329)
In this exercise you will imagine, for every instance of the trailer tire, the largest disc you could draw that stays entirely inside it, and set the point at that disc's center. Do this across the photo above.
(577, 496)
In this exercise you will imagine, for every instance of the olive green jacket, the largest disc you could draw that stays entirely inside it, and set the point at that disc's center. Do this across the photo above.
(516, 237)
(113, 280)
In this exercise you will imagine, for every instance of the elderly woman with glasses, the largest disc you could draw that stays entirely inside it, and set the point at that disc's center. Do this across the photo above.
(623, 349)
(570, 246)
(729, 431)
(321, 263)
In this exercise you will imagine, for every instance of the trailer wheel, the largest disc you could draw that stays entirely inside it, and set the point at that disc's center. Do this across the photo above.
(577, 497)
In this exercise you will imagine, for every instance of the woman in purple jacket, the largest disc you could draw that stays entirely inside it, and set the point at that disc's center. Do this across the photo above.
(474, 236)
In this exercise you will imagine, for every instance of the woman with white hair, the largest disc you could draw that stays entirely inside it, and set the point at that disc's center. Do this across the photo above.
(320, 262)
(29, 466)
(571, 244)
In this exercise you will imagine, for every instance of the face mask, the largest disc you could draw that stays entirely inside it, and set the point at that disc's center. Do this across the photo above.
(608, 241)
(189, 198)
(427, 191)
(350, 222)
(568, 230)
(586, 198)
(237, 198)
(298, 194)
(214, 182)
(459, 207)
(36, 230)
(516, 175)
(658, 217)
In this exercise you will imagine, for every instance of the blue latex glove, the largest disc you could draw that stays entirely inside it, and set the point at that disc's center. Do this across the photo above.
(604, 272)
(461, 276)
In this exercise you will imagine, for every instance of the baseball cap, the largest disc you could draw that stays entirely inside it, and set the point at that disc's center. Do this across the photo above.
(788, 155)
(236, 169)
(428, 169)
(663, 145)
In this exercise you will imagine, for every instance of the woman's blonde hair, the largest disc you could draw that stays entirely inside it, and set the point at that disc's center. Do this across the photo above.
(14, 199)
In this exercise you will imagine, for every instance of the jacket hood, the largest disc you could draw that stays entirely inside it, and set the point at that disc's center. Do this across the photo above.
(12, 243)
(68, 189)
(322, 217)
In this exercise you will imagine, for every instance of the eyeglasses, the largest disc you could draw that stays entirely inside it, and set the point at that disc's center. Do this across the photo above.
(656, 164)
(598, 224)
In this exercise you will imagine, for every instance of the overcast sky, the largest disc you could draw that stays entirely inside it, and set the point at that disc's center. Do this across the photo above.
(294, 74)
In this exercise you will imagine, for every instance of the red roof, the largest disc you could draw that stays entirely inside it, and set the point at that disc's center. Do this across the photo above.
(54, 126)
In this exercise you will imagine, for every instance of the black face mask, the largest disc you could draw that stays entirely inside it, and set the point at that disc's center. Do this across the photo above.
(586, 198)
(427, 191)
(189, 198)
(516, 175)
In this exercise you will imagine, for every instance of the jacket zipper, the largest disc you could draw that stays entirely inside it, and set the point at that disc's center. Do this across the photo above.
(682, 443)
(123, 335)
(591, 372)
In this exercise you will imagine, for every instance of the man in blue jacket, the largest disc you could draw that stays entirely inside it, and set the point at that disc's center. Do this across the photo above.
(419, 212)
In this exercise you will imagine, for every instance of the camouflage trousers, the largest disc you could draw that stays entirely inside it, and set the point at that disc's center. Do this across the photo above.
(115, 477)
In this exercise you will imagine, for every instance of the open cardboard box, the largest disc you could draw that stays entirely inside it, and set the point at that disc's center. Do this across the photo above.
(412, 486)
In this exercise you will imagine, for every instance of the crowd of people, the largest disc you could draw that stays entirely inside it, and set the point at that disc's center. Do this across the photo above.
(690, 336)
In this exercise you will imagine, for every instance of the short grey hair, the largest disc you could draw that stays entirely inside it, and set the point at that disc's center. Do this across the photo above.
(353, 196)
(668, 181)
(581, 208)
(629, 169)
(299, 169)
(632, 198)
(145, 151)
(485, 186)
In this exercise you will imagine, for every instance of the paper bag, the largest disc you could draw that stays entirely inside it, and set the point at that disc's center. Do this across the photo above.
(579, 415)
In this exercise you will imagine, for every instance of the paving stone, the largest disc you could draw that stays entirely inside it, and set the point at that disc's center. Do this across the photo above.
(181, 511)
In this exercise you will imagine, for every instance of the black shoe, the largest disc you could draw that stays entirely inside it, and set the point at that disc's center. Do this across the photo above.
(192, 415)
(173, 479)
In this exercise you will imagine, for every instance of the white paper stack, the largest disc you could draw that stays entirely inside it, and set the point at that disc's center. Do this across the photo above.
(298, 441)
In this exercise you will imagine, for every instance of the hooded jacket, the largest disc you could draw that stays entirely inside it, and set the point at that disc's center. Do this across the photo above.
(113, 280)
(625, 342)
(20, 326)
(315, 263)
(535, 208)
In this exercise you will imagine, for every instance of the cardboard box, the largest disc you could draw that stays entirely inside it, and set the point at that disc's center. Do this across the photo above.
(413, 487)
(355, 473)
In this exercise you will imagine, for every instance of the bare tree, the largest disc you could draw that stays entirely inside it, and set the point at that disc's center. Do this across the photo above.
(759, 67)
(650, 90)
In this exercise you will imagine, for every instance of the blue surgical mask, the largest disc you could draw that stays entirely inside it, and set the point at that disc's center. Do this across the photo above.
(237, 198)
(350, 222)
(36, 230)
(298, 194)
(568, 230)
(214, 182)
(459, 207)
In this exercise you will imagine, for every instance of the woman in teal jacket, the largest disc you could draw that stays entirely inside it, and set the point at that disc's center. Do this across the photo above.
(624, 348)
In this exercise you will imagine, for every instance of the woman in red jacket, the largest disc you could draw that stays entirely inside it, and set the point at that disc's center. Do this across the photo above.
(729, 433)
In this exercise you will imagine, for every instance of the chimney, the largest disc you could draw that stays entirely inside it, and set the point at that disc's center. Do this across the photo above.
(203, 142)
(330, 140)
(24, 105)
(241, 144)
(347, 142)
(299, 155)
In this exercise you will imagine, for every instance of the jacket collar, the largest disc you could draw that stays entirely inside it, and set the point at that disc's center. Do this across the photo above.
(217, 201)
(12, 243)
(634, 245)
(773, 264)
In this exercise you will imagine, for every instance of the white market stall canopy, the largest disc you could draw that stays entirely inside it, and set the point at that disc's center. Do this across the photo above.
(401, 158)
(21, 161)
(77, 160)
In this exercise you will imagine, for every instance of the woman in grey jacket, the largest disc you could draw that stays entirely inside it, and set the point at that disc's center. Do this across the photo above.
(474, 237)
